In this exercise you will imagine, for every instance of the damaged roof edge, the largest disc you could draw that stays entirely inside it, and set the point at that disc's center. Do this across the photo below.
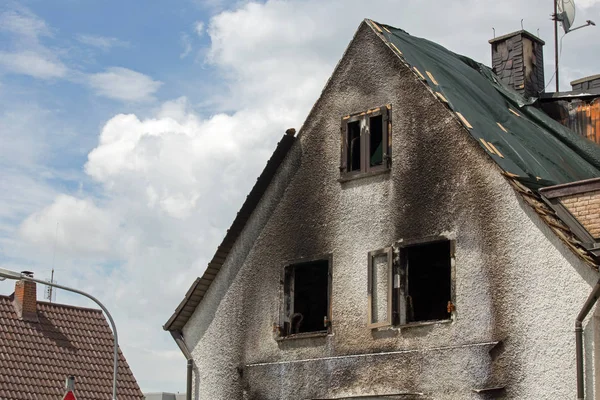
(198, 289)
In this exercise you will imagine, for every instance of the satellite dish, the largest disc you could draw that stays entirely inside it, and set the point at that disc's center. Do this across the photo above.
(566, 13)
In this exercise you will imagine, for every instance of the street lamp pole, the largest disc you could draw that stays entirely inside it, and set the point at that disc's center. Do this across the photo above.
(7, 274)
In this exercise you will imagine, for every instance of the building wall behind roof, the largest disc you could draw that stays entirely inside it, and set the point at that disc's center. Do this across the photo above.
(515, 281)
(164, 396)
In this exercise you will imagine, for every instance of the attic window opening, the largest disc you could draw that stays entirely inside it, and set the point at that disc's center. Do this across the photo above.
(410, 284)
(366, 143)
(306, 298)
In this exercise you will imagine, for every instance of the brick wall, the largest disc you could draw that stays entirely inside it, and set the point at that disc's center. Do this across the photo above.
(26, 299)
(586, 208)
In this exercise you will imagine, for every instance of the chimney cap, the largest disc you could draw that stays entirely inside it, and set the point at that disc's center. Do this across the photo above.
(521, 32)
(28, 274)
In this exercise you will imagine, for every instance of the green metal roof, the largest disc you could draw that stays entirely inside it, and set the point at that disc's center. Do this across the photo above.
(522, 139)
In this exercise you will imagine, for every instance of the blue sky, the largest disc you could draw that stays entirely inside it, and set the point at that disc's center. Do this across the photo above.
(132, 131)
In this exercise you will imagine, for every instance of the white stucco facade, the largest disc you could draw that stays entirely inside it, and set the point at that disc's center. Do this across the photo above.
(517, 287)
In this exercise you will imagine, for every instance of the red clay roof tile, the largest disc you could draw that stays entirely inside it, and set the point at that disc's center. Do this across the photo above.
(36, 357)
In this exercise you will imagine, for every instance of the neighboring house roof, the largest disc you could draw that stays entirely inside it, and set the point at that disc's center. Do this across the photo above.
(196, 292)
(37, 357)
(532, 149)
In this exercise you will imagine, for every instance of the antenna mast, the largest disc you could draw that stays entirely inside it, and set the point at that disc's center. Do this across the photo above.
(50, 288)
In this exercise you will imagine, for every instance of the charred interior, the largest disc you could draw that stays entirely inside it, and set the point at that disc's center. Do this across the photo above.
(376, 140)
(354, 148)
(428, 271)
(306, 292)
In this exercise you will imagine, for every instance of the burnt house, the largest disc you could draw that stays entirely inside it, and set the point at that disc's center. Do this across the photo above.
(42, 343)
(430, 233)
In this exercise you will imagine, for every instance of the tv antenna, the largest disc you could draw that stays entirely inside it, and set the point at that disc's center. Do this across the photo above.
(50, 292)
(564, 11)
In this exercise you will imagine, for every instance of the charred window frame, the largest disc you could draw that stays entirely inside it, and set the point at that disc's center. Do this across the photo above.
(419, 285)
(380, 276)
(306, 298)
(366, 142)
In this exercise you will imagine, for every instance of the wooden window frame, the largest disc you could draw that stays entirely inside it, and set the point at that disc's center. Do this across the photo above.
(365, 142)
(286, 303)
(398, 288)
(372, 254)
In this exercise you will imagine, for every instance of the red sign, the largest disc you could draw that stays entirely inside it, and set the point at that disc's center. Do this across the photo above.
(69, 396)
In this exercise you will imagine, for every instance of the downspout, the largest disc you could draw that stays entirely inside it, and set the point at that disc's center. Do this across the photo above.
(589, 303)
(178, 337)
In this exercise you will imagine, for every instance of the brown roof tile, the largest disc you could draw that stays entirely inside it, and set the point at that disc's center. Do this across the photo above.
(36, 357)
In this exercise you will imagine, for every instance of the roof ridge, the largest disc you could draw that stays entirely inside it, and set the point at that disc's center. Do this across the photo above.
(57, 305)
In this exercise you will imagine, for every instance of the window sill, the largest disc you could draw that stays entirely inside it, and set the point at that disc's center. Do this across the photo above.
(307, 335)
(414, 325)
(425, 323)
(361, 175)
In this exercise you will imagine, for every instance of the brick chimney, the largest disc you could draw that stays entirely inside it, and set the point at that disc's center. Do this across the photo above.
(25, 299)
(518, 60)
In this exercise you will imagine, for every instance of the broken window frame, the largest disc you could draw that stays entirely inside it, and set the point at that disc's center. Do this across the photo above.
(400, 282)
(389, 318)
(365, 142)
(286, 303)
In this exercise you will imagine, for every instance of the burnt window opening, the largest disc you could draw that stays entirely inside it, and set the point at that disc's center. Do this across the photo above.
(306, 298)
(354, 146)
(376, 140)
(410, 284)
(366, 144)
(428, 281)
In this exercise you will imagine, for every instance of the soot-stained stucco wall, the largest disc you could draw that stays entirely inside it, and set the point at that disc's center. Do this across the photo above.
(517, 287)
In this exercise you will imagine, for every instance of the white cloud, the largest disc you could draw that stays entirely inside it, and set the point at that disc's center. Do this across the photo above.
(186, 43)
(124, 84)
(28, 56)
(586, 3)
(75, 225)
(199, 28)
(104, 43)
(35, 64)
(165, 161)
(23, 23)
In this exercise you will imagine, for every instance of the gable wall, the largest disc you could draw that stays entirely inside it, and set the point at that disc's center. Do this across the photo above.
(514, 282)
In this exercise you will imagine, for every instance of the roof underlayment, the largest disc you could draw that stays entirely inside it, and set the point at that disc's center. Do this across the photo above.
(523, 140)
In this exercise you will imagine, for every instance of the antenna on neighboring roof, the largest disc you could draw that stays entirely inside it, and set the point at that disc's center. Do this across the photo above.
(50, 292)
(522, 24)
(564, 11)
